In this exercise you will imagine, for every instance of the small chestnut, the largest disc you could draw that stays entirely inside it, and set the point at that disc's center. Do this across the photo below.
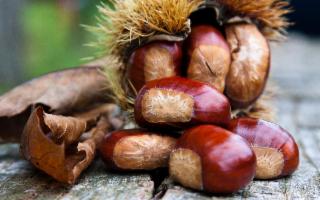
(159, 59)
(136, 149)
(250, 63)
(179, 102)
(209, 56)
(276, 151)
(212, 159)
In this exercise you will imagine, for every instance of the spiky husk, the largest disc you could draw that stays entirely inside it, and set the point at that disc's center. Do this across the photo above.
(128, 24)
(268, 15)
(131, 22)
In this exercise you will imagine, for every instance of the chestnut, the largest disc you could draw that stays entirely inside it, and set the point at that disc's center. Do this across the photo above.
(250, 64)
(178, 102)
(136, 149)
(159, 59)
(276, 151)
(209, 56)
(212, 159)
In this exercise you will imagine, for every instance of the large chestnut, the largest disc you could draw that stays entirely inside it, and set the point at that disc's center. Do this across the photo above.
(136, 149)
(250, 63)
(276, 151)
(209, 56)
(178, 103)
(159, 59)
(212, 159)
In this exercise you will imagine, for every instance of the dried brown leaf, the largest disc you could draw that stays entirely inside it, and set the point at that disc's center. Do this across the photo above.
(116, 118)
(63, 92)
(66, 129)
(50, 142)
(89, 146)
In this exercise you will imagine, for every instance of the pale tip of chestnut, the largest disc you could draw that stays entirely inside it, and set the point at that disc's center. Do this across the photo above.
(136, 149)
(139, 152)
(155, 60)
(270, 162)
(158, 104)
(128, 152)
(209, 56)
(158, 64)
(210, 64)
(250, 65)
(185, 161)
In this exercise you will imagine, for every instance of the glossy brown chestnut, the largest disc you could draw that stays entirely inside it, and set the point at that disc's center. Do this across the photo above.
(212, 159)
(159, 59)
(136, 149)
(250, 63)
(209, 56)
(276, 151)
(178, 103)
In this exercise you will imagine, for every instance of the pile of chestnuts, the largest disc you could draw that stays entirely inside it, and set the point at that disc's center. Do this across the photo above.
(212, 152)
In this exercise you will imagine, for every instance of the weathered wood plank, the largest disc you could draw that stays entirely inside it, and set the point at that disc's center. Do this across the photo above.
(311, 145)
(305, 183)
(256, 190)
(295, 67)
(19, 180)
(308, 114)
(100, 184)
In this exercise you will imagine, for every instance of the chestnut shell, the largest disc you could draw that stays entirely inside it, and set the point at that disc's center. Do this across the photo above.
(159, 59)
(262, 133)
(228, 162)
(210, 106)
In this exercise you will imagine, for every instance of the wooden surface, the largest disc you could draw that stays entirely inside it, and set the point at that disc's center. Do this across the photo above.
(296, 70)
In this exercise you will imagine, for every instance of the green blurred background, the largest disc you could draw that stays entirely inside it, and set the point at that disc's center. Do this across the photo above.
(38, 37)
